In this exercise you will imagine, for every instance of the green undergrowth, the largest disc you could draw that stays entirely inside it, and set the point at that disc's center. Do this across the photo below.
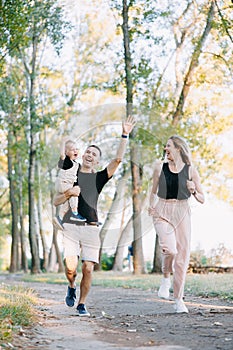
(205, 285)
(16, 310)
(210, 285)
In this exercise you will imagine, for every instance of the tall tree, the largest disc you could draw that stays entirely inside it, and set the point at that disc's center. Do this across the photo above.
(25, 25)
(14, 210)
(115, 210)
(11, 106)
(138, 260)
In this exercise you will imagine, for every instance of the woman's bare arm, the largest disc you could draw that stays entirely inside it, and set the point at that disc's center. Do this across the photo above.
(194, 186)
(155, 184)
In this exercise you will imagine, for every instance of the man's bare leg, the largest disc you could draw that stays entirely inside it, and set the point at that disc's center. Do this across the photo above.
(71, 264)
(85, 284)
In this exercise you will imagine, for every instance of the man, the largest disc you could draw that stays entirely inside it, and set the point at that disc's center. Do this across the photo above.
(83, 237)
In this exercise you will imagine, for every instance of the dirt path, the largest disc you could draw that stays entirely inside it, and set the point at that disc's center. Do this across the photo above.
(132, 319)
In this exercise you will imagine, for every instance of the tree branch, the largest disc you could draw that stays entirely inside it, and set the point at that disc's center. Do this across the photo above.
(193, 64)
(223, 21)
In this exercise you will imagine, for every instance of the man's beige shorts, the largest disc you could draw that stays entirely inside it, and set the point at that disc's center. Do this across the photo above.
(82, 241)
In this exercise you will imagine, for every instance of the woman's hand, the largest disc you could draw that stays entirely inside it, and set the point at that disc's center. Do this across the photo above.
(191, 186)
(151, 211)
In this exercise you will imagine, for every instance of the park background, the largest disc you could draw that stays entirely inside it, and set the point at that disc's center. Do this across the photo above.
(78, 68)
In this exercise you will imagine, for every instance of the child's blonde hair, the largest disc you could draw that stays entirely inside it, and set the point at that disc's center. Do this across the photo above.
(69, 144)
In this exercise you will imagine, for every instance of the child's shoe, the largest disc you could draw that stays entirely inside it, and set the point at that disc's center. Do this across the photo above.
(77, 217)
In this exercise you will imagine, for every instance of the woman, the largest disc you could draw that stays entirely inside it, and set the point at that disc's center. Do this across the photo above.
(174, 182)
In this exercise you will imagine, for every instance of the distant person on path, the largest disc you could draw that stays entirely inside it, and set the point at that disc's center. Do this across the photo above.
(67, 178)
(130, 257)
(174, 181)
(81, 239)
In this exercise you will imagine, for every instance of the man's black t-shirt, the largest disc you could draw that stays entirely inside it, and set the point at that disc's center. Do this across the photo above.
(91, 184)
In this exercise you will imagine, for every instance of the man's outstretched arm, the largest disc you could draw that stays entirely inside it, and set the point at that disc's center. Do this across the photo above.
(127, 127)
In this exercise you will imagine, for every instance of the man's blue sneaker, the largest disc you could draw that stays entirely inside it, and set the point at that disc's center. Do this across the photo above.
(82, 311)
(71, 296)
(58, 224)
(77, 217)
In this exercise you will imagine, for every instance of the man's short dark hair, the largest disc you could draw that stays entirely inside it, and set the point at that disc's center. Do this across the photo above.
(100, 152)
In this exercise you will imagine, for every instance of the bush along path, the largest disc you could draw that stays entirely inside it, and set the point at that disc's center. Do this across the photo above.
(124, 319)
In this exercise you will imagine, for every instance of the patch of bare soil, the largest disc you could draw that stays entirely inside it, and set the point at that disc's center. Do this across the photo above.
(126, 319)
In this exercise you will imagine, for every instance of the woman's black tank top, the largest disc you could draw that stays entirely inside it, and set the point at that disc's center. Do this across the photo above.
(173, 185)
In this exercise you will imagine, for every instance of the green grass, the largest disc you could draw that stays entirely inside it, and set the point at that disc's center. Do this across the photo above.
(206, 285)
(16, 310)
(210, 285)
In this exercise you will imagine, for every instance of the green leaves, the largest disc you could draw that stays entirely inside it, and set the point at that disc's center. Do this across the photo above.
(24, 21)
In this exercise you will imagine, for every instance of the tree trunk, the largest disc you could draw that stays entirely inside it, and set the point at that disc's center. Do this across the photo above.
(114, 210)
(138, 258)
(180, 33)
(52, 267)
(35, 262)
(24, 262)
(135, 168)
(54, 248)
(41, 225)
(14, 209)
(193, 64)
(125, 240)
(159, 81)
(30, 77)
(58, 253)
(157, 257)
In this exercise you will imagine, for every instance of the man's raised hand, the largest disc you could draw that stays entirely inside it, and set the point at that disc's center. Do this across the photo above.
(128, 125)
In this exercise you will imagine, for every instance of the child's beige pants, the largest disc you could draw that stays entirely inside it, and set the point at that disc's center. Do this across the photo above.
(64, 182)
(173, 226)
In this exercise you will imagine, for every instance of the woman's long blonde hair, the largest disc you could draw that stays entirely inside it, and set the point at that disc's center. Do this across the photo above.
(181, 144)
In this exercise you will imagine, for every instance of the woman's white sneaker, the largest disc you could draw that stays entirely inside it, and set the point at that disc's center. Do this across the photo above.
(164, 288)
(180, 307)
